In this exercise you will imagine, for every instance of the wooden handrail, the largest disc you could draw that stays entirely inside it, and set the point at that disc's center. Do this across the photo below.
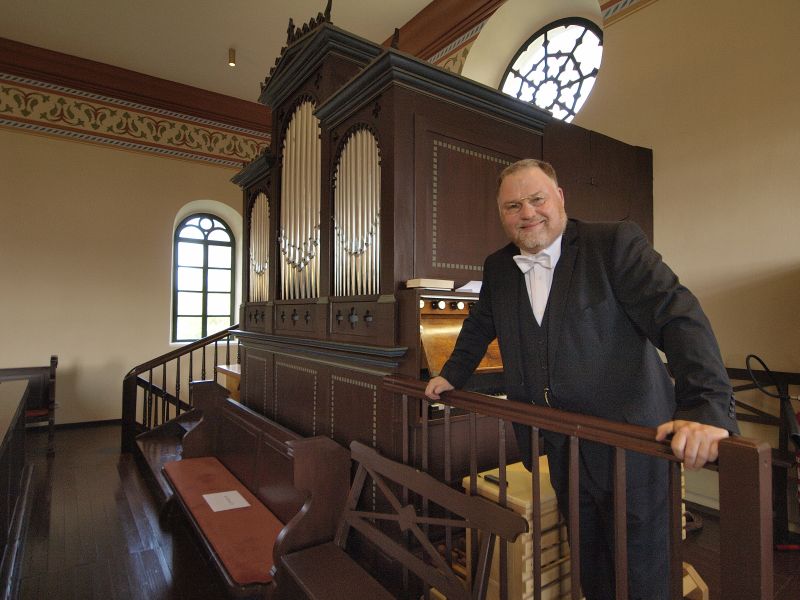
(158, 414)
(627, 436)
(744, 466)
(178, 352)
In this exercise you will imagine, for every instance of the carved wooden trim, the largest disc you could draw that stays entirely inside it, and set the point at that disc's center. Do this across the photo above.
(48, 66)
(441, 22)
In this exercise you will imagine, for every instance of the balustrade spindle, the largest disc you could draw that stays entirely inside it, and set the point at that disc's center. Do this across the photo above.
(150, 398)
(503, 501)
(178, 379)
(574, 520)
(620, 525)
(164, 388)
(536, 513)
(216, 353)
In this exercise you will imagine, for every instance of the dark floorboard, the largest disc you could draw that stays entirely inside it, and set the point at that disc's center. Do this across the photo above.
(95, 532)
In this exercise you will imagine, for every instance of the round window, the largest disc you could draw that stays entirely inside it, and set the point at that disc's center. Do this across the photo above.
(557, 67)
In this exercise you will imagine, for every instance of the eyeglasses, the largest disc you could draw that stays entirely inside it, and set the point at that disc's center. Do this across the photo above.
(512, 207)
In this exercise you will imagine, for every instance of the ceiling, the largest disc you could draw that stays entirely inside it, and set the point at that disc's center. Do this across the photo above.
(187, 40)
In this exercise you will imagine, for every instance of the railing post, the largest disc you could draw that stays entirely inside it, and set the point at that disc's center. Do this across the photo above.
(129, 392)
(745, 509)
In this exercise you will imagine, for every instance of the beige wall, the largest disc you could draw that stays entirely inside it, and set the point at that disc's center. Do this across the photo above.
(713, 91)
(711, 88)
(85, 260)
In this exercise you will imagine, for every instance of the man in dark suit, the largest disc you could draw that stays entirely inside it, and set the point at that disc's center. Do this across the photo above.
(578, 310)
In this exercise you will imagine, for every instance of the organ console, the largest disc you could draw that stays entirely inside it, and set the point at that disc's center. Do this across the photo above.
(383, 168)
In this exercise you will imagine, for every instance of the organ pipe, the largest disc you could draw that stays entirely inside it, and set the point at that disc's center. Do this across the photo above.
(300, 205)
(259, 249)
(356, 216)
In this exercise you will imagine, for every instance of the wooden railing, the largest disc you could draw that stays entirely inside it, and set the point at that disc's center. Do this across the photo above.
(744, 467)
(774, 388)
(158, 390)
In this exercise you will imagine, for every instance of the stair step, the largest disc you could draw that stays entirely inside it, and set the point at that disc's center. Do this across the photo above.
(164, 444)
(188, 420)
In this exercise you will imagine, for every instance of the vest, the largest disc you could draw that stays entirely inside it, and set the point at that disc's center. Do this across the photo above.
(533, 339)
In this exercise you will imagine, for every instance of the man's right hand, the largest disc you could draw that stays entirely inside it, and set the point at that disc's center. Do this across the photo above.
(436, 386)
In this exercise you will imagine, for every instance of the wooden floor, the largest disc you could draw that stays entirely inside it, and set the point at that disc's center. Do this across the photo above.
(95, 532)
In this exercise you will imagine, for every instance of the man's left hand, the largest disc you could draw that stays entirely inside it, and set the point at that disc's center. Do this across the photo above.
(694, 443)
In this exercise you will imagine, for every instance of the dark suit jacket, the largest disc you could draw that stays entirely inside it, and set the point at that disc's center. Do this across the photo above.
(612, 303)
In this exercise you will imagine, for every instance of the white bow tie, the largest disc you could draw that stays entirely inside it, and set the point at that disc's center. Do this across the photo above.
(525, 263)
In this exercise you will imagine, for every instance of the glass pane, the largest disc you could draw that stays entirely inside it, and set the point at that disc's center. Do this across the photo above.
(189, 328)
(192, 233)
(219, 257)
(190, 303)
(190, 255)
(219, 280)
(215, 324)
(512, 85)
(206, 223)
(190, 278)
(555, 79)
(219, 304)
(219, 235)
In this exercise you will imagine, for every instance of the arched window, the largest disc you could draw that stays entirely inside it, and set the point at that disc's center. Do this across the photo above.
(557, 67)
(203, 277)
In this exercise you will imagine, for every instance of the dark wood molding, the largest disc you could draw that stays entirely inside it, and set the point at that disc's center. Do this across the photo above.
(48, 66)
(441, 22)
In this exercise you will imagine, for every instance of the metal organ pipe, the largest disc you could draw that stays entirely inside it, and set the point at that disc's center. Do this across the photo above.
(300, 205)
(259, 249)
(356, 216)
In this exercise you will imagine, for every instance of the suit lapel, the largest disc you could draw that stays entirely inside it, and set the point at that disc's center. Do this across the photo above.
(557, 301)
(514, 278)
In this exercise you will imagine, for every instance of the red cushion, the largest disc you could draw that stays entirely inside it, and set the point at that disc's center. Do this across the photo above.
(242, 537)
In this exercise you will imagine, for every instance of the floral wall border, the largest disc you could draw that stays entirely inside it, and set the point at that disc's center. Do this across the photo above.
(55, 110)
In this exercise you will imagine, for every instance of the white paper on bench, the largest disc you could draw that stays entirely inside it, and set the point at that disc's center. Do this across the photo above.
(225, 500)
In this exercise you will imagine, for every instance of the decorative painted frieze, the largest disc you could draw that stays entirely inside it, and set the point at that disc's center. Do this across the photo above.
(59, 111)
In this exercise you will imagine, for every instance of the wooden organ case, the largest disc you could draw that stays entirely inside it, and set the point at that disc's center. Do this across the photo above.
(383, 168)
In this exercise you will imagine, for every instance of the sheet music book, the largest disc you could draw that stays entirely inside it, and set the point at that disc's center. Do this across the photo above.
(431, 284)
(225, 500)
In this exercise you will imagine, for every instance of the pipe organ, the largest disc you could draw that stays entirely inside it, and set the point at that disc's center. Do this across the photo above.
(300, 194)
(356, 216)
(383, 168)
(259, 249)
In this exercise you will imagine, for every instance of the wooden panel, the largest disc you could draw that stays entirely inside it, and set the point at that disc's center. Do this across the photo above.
(304, 319)
(370, 322)
(603, 179)
(353, 408)
(238, 447)
(297, 388)
(256, 389)
(456, 169)
(257, 317)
